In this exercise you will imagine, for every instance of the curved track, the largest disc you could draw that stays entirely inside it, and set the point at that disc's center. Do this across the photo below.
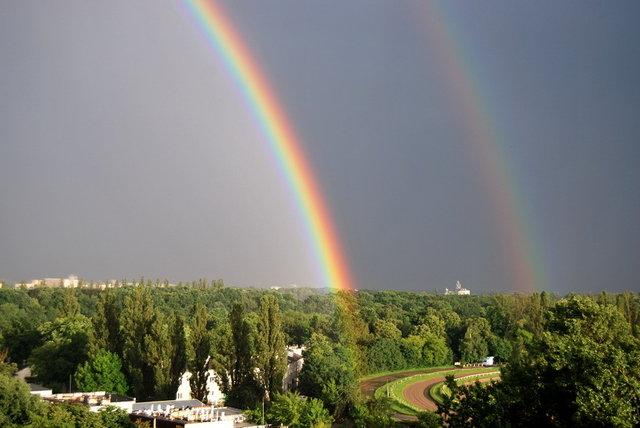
(418, 393)
(369, 386)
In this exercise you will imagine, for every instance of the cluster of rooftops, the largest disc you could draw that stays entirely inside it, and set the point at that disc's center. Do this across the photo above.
(189, 413)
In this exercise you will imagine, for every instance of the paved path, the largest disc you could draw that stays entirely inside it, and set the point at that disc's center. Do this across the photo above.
(418, 393)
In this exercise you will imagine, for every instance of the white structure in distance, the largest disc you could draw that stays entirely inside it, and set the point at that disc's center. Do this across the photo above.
(460, 290)
(294, 367)
(214, 394)
(71, 281)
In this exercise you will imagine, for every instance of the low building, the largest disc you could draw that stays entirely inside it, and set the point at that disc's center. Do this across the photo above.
(188, 414)
(71, 281)
(158, 405)
(40, 390)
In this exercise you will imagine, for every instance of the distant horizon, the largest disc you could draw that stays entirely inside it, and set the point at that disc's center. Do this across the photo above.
(325, 289)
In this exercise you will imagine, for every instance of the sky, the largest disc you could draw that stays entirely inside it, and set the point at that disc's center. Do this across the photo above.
(127, 149)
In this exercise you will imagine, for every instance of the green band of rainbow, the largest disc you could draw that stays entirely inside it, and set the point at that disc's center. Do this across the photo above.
(281, 138)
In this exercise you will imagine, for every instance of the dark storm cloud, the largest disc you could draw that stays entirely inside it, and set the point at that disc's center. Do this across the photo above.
(125, 149)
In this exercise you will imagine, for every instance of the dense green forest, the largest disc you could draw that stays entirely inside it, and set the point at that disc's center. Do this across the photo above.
(566, 359)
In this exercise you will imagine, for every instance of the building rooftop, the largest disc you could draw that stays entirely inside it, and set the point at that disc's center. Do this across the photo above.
(167, 415)
(35, 387)
(91, 398)
(145, 405)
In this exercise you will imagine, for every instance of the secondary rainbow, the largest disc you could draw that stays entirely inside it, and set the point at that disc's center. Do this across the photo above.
(281, 137)
(487, 146)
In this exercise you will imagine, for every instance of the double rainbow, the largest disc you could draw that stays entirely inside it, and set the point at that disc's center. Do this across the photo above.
(281, 137)
(487, 145)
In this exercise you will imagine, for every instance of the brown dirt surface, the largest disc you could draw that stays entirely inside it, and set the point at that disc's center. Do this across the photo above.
(369, 386)
(418, 393)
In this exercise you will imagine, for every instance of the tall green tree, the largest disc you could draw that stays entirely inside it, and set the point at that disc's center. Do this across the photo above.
(136, 322)
(292, 410)
(629, 306)
(180, 351)
(271, 355)
(102, 372)
(157, 353)
(115, 417)
(244, 391)
(386, 329)
(17, 406)
(70, 305)
(385, 354)
(375, 413)
(474, 346)
(201, 346)
(222, 355)
(106, 323)
(329, 374)
(66, 345)
(19, 323)
(432, 334)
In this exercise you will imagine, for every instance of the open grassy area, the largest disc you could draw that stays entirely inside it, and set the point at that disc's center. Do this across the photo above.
(394, 390)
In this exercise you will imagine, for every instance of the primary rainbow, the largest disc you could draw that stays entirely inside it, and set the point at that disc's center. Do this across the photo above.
(281, 138)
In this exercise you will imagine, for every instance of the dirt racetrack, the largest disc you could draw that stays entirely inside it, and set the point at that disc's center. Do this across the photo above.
(418, 393)
(369, 386)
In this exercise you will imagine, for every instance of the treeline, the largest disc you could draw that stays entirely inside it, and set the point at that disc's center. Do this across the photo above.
(139, 340)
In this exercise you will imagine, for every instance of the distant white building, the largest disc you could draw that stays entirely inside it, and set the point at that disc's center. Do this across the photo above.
(28, 284)
(71, 281)
(460, 290)
(214, 393)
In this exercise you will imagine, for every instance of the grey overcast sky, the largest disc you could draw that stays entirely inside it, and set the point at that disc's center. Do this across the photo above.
(126, 149)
